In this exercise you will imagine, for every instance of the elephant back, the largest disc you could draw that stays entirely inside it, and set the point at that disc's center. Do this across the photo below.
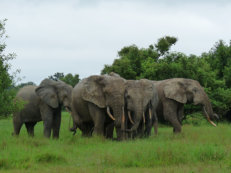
(27, 93)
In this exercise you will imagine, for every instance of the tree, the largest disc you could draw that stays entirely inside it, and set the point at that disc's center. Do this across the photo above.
(25, 84)
(69, 78)
(7, 103)
(131, 58)
(220, 58)
(164, 44)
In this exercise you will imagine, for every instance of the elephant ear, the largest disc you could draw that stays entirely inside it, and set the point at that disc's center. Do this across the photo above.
(93, 91)
(47, 93)
(176, 91)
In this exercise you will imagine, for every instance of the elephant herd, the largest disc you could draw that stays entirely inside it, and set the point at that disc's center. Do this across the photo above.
(101, 103)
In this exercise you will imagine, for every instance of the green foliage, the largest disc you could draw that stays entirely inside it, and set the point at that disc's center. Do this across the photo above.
(7, 93)
(129, 65)
(164, 44)
(195, 119)
(220, 57)
(69, 78)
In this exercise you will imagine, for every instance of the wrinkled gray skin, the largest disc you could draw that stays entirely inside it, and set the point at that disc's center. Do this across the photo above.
(90, 99)
(174, 93)
(140, 96)
(42, 103)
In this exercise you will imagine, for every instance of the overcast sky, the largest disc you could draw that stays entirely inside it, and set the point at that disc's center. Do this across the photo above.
(80, 36)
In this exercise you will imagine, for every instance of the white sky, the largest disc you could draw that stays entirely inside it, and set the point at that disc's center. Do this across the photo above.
(80, 36)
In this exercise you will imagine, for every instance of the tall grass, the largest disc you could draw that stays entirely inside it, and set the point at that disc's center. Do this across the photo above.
(199, 149)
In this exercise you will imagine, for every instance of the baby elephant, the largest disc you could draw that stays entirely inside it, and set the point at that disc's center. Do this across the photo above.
(42, 103)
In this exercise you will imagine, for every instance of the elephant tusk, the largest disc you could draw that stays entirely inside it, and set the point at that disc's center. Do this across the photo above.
(207, 116)
(130, 118)
(109, 113)
(143, 118)
(150, 113)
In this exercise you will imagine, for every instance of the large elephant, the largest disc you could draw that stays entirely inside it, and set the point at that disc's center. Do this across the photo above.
(42, 103)
(141, 99)
(98, 105)
(174, 93)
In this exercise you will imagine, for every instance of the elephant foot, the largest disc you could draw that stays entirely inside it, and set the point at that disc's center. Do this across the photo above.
(73, 130)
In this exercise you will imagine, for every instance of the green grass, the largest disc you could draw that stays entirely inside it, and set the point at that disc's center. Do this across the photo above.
(197, 149)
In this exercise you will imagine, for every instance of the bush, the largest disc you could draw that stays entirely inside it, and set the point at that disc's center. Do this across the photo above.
(7, 92)
(195, 119)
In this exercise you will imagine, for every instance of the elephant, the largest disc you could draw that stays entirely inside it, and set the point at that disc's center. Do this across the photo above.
(174, 93)
(98, 105)
(42, 103)
(141, 98)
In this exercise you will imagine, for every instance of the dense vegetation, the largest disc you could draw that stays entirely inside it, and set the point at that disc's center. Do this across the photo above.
(157, 62)
(7, 93)
(201, 148)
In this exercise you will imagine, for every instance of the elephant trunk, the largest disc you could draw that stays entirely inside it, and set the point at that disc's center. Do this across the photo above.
(118, 112)
(208, 110)
(138, 116)
(207, 116)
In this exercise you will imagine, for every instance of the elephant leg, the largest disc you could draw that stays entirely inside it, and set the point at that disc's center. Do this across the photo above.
(108, 133)
(155, 124)
(56, 123)
(86, 129)
(139, 132)
(118, 133)
(170, 114)
(30, 128)
(17, 126)
(98, 115)
(180, 113)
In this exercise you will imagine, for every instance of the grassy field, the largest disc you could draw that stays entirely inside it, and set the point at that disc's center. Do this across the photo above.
(197, 149)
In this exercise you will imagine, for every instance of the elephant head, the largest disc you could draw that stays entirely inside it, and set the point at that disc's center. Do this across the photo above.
(55, 93)
(139, 100)
(107, 91)
(189, 91)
